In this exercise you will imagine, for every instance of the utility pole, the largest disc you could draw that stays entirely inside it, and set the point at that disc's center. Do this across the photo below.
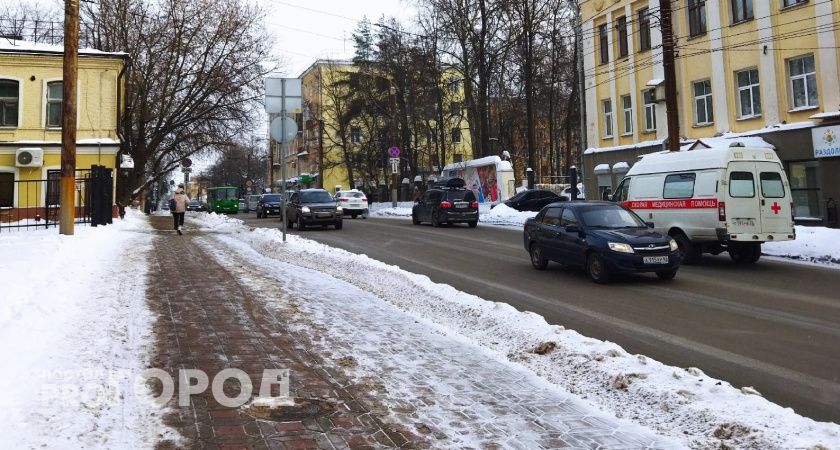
(67, 200)
(670, 75)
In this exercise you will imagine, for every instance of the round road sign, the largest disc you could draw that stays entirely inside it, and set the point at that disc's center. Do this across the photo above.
(276, 129)
(394, 152)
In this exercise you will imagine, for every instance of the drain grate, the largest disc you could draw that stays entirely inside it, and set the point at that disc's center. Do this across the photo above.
(300, 408)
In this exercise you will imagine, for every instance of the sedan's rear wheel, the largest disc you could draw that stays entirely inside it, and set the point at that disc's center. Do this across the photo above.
(597, 269)
(537, 259)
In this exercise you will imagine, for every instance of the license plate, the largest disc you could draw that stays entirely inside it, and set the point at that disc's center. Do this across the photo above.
(462, 204)
(326, 214)
(655, 259)
(743, 222)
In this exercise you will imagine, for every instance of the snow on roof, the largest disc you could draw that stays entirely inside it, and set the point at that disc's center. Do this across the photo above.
(621, 165)
(17, 45)
(707, 158)
(486, 161)
(650, 143)
(602, 168)
(655, 82)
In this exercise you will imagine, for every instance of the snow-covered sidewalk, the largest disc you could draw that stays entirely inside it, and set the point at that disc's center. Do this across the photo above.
(681, 404)
(74, 333)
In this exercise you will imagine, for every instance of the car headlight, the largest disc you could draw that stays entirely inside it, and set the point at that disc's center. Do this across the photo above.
(305, 210)
(620, 247)
(673, 244)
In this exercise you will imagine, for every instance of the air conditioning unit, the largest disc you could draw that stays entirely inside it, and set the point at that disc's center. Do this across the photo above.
(29, 157)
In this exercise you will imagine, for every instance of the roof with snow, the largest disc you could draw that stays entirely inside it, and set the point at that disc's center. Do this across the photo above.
(8, 45)
(486, 161)
(700, 159)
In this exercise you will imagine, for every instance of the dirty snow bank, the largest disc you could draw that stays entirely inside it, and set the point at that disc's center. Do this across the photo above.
(812, 244)
(501, 214)
(74, 330)
(683, 404)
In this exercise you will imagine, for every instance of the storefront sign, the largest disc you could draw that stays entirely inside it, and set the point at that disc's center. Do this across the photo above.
(826, 141)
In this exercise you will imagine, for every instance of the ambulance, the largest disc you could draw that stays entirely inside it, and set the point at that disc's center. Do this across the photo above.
(713, 200)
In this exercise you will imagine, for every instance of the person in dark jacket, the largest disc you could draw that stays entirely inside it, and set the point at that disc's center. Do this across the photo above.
(180, 200)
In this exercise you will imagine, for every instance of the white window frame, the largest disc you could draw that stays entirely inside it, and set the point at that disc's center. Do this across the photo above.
(792, 3)
(628, 114)
(707, 100)
(355, 138)
(650, 110)
(805, 84)
(608, 118)
(20, 101)
(755, 92)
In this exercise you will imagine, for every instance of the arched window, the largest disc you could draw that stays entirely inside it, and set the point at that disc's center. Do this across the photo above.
(9, 100)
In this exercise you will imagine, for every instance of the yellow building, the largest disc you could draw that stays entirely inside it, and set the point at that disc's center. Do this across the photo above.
(30, 118)
(322, 85)
(764, 68)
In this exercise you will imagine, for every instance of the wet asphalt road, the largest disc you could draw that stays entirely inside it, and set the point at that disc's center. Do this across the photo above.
(773, 325)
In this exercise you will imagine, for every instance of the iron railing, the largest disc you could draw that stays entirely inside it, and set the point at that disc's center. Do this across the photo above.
(34, 204)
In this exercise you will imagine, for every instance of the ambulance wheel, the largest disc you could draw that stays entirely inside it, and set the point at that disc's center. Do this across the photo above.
(745, 253)
(689, 252)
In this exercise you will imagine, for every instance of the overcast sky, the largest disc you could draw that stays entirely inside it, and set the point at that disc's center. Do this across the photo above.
(308, 30)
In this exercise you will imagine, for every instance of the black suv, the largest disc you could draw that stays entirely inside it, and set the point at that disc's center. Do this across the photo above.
(313, 207)
(532, 200)
(448, 202)
(269, 204)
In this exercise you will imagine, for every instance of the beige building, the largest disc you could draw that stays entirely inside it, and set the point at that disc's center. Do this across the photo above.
(765, 68)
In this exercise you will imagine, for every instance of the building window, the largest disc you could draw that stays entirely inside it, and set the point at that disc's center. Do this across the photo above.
(742, 10)
(803, 82)
(787, 3)
(650, 110)
(456, 135)
(432, 137)
(7, 190)
(749, 95)
(455, 109)
(644, 29)
(455, 86)
(696, 17)
(356, 135)
(603, 42)
(54, 94)
(9, 101)
(608, 118)
(627, 106)
(621, 27)
(804, 189)
(703, 113)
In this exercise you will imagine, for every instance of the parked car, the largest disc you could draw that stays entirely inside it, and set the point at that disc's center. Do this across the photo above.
(252, 201)
(353, 202)
(195, 205)
(313, 207)
(532, 200)
(269, 204)
(449, 202)
(602, 237)
(713, 200)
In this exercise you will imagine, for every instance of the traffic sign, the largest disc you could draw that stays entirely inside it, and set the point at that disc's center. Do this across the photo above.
(186, 162)
(394, 152)
(395, 164)
(277, 129)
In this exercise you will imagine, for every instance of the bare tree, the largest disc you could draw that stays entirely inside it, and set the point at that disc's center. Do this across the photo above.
(195, 77)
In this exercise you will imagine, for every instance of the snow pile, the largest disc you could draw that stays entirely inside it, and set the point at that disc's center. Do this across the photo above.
(683, 404)
(812, 244)
(74, 331)
(384, 209)
(502, 214)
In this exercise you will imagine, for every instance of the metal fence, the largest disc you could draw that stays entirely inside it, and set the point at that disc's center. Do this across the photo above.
(34, 204)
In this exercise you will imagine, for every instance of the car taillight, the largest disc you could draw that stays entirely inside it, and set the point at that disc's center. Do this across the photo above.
(722, 211)
(445, 205)
(364, 200)
(344, 200)
(474, 205)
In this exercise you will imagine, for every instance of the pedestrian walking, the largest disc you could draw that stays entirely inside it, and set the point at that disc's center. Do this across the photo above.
(180, 201)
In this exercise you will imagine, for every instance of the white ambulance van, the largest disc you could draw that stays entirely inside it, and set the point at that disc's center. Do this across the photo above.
(713, 200)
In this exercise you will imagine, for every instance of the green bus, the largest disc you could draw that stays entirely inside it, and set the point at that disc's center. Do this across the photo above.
(223, 199)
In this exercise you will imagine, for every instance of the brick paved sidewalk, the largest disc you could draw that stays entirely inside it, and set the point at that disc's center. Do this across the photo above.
(207, 320)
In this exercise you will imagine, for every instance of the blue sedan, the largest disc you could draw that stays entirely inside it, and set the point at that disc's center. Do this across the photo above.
(603, 238)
